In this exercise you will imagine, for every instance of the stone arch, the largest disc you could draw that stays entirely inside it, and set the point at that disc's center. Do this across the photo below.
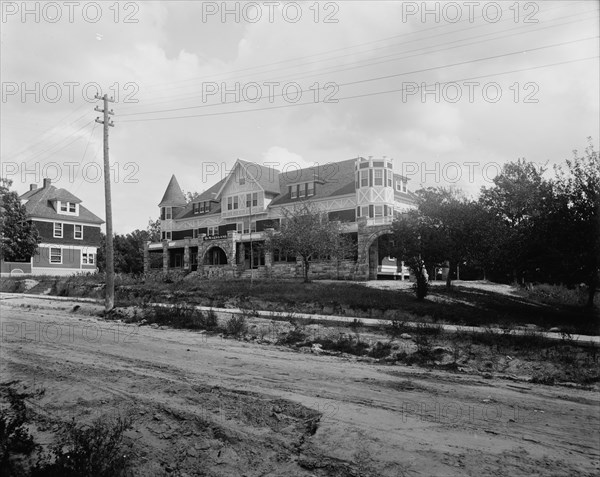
(369, 250)
(215, 255)
(370, 239)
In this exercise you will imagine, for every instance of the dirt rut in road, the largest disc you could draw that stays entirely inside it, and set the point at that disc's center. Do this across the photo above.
(206, 406)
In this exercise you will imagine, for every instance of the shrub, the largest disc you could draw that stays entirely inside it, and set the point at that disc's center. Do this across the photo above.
(14, 437)
(210, 321)
(236, 326)
(94, 450)
(380, 350)
(296, 335)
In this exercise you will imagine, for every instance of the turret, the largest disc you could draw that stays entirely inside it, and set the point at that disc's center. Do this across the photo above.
(374, 188)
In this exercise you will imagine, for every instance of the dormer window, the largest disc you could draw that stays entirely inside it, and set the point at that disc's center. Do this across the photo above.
(306, 189)
(68, 208)
(403, 186)
(196, 208)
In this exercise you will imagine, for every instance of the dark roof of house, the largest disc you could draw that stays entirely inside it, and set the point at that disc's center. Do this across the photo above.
(208, 194)
(40, 205)
(332, 179)
(267, 177)
(173, 196)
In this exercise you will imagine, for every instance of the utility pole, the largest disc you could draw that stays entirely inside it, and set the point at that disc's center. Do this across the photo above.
(110, 263)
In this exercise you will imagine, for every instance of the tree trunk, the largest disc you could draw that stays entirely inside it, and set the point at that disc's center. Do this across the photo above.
(449, 276)
(306, 265)
(592, 285)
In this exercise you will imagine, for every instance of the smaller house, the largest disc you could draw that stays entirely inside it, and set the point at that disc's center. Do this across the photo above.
(70, 233)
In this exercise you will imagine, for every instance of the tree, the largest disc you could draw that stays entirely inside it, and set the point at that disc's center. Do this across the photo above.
(19, 237)
(129, 249)
(153, 230)
(309, 234)
(411, 236)
(575, 220)
(457, 229)
(518, 203)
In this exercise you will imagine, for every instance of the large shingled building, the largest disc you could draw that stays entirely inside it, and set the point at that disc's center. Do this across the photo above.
(222, 232)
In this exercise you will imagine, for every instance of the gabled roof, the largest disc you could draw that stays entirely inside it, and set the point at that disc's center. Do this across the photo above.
(266, 177)
(173, 196)
(209, 194)
(332, 179)
(65, 196)
(40, 205)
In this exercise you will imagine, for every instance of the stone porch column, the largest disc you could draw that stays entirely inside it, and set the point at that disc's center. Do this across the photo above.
(147, 257)
(186, 254)
(362, 263)
(165, 245)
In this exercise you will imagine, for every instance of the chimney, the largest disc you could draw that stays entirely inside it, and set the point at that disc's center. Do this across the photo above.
(47, 183)
(32, 187)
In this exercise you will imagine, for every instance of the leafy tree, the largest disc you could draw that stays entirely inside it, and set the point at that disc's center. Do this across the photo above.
(19, 237)
(190, 196)
(129, 249)
(517, 204)
(575, 220)
(309, 234)
(153, 230)
(412, 240)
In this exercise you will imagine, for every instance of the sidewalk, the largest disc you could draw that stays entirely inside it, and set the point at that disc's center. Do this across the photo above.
(583, 339)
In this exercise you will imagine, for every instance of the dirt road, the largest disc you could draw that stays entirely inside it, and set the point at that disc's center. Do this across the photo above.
(203, 405)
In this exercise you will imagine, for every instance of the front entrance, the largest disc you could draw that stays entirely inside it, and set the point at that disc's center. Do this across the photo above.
(254, 255)
(215, 256)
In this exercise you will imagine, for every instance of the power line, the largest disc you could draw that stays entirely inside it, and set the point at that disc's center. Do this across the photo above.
(394, 57)
(378, 78)
(172, 86)
(223, 113)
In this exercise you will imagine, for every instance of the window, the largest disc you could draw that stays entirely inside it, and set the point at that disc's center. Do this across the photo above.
(379, 211)
(242, 180)
(168, 235)
(229, 203)
(249, 227)
(195, 233)
(364, 178)
(168, 213)
(310, 189)
(403, 186)
(55, 255)
(212, 231)
(378, 177)
(389, 179)
(364, 211)
(398, 186)
(239, 227)
(196, 208)
(254, 199)
(302, 190)
(78, 233)
(63, 206)
(58, 230)
(293, 192)
(248, 200)
(235, 202)
(87, 258)
(72, 207)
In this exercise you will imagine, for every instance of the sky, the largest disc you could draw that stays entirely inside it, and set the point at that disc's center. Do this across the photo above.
(450, 90)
